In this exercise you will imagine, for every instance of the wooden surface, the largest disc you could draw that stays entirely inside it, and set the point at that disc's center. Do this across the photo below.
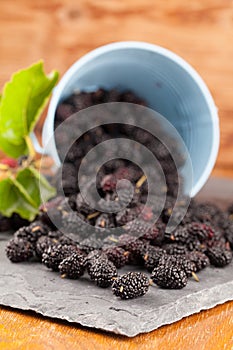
(62, 31)
(208, 330)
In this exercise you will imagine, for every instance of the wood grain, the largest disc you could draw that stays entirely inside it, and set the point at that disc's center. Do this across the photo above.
(209, 330)
(60, 31)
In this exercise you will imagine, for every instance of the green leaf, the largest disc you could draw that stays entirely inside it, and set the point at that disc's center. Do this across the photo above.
(22, 103)
(14, 199)
(24, 194)
(36, 185)
(10, 149)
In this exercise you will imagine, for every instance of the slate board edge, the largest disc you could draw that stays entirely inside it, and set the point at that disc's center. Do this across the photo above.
(116, 329)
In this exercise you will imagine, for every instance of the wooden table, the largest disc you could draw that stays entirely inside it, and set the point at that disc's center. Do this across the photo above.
(60, 31)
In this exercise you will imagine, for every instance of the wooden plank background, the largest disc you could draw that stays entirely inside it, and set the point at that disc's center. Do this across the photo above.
(61, 31)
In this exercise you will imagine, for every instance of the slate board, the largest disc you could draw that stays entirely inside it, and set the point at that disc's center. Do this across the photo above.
(31, 286)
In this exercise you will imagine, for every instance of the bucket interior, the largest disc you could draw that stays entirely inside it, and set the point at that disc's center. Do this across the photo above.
(166, 87)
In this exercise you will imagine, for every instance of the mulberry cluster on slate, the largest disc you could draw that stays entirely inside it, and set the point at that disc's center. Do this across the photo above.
(60, 238)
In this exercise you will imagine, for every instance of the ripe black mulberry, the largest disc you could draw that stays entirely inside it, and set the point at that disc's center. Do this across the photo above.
(117, 255)
(73, 266)
(131, 285)
(102, 272)
(219, 257)
(54, 255)
(19, 250)
(169, 276)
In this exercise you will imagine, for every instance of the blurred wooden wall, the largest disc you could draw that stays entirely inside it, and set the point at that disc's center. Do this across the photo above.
(60, 31)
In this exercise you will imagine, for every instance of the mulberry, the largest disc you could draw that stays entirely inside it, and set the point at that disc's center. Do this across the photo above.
(102, 272)
(182, 261)
(32, 232)
(199, 259)
(92, 256)
(152, 256)
(117, 255)
(54, 255)
(201, 231)
(73, 266)
(180, 235)
(219, 257)
(43, 243)
(135, 246)
(89, 244)
(130, 285)
(175, 249)
(144, 230)
(169, 276)
(19, 250)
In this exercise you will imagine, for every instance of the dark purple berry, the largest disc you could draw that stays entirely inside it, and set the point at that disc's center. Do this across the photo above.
(175, 249)
(43, 243)
(117, 255)
(72, 267)
(54, 255)
(152, 256)
(169, 276)
(199, 259)
(131, 285)
(102, 272)
(19, 250)
(219, 257)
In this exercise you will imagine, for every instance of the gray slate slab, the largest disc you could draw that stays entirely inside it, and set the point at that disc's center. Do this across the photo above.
(30, 286)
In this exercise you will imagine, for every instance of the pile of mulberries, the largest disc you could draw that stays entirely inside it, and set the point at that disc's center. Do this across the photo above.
(168, 263)
(60, 238)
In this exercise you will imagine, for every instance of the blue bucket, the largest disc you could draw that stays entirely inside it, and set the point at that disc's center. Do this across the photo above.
(168, 84)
